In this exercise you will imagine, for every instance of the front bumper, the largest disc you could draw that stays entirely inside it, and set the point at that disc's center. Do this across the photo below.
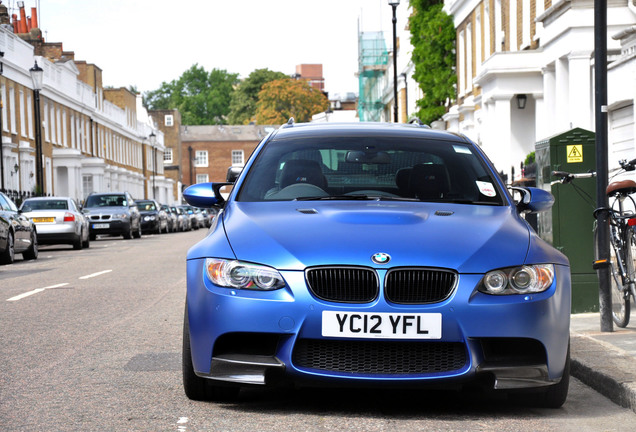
(109, 227)
(150, 225)
(253, 337)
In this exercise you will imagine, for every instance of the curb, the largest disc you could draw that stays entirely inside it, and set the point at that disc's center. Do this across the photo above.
(604, 368)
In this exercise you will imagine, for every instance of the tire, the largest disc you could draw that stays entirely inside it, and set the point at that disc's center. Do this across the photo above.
(78, 244)
(137, 234)
(620, 304)
(555, 395)
(621, 307)
(87, 243)
(195, 387)
(8, 255)
(128, 234)
(32, 252)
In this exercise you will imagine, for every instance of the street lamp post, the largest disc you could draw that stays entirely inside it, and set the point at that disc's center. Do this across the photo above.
(153, 140)
(394, 4)
(37, 74)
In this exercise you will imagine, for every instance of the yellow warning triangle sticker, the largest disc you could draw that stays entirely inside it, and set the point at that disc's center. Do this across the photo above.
(575, 153)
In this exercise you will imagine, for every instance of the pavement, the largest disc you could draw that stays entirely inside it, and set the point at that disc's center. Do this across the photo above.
(605, 361)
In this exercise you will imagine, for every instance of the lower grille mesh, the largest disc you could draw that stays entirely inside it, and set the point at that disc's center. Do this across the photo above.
(379, 357)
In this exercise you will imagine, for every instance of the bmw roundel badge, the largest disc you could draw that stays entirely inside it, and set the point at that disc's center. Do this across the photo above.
(381, 258)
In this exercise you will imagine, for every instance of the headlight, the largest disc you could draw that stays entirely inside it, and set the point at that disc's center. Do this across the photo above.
(518, 280)
(149, 218)
(119, 216)
(240, 275)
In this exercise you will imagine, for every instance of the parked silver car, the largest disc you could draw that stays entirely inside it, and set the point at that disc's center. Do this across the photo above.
(173, 219)
(112, 213)
(58, 220)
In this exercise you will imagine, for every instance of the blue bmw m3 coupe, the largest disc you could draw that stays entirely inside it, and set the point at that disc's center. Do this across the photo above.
(374, 255)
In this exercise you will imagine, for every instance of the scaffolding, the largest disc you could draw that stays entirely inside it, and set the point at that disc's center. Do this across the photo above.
(372, 65)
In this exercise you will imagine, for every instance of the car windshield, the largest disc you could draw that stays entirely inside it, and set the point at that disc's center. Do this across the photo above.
(146, 206)
(46, 204)
(106, 201)
(370, 168)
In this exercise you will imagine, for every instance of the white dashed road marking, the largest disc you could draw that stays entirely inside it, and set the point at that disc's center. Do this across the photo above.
(39, 290)
(95, 274)
(35, 291)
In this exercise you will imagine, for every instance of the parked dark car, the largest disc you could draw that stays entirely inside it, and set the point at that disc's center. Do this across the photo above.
(153, 218)
(18, 233)
(172, 218)
(113, 213)
(58, 221)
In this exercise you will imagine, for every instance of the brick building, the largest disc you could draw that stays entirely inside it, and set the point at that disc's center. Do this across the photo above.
(208, 151)
(312, 73)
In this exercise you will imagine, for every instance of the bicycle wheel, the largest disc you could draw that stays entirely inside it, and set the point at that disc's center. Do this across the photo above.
(621, 306)
(620, 311)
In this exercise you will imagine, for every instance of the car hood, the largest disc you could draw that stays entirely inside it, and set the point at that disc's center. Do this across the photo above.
(296, 235)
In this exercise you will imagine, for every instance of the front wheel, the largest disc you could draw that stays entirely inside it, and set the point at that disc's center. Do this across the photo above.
(137, 233)
(620, 304)
(621, 307)
(195, 387)
(8, 255)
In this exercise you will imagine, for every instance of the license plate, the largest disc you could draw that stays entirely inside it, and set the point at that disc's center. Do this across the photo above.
(382, 325)
(100, 226)
(43, 219)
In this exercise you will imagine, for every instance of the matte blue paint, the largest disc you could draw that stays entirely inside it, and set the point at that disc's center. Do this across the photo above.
(473, 240)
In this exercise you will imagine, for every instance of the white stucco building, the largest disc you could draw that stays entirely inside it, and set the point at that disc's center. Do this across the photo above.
(526, 72)
(93, 139)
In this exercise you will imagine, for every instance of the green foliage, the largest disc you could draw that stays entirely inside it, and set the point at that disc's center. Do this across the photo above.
(529, 159)
(433, 39)
(202, 98)
(281, 99)
(245, 96)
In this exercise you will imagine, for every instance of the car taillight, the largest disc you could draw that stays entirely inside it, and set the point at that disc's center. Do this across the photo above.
(631, 222)
(69, 217)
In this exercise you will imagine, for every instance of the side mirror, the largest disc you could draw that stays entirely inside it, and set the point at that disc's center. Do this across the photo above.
(533, 199)
(205, 195)
(233, 173)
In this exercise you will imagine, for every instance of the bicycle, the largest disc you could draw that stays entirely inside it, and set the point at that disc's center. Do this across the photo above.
(622, 227)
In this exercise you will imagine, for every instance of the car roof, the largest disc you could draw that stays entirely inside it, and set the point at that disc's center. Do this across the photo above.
(362, 129)
(48, 198)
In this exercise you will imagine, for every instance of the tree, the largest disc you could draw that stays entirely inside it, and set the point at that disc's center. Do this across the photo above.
(245, 96)
(281, 99)
(201, 97)
(433, 39)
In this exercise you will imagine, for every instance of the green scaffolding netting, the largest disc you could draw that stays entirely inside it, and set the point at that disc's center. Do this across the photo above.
(373, 58)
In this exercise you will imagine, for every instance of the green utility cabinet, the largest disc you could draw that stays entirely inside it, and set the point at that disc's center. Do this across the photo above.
(569, 226)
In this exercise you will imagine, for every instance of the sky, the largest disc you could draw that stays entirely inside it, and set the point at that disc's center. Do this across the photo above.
(146, 42)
